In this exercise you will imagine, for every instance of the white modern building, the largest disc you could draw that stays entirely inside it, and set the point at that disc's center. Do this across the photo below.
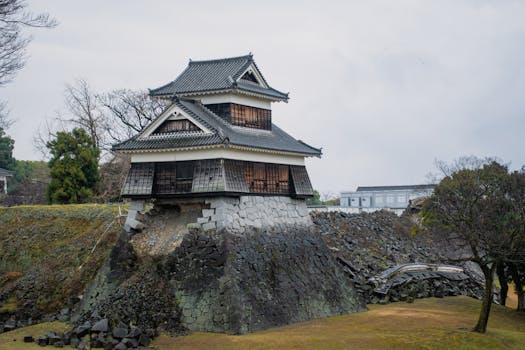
(384, 197)
(4, 174)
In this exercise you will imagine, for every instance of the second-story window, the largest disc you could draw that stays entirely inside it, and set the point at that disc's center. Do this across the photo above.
(241, 115)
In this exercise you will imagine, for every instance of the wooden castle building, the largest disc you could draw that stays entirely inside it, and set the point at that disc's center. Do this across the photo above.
(216, 145)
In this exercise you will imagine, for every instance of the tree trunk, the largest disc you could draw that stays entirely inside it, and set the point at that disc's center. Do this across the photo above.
(521, 297)
(484, 313)
(519, 287)
(500, 270)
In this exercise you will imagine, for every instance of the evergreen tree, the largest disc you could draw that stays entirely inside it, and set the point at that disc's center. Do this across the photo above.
(6, 151)
(74, 167)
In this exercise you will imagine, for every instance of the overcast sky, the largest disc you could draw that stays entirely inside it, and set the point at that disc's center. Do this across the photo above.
(384, 87)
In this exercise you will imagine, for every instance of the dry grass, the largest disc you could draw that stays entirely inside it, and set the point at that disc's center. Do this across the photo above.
(56, 249)
(425, 324)
(14, 340)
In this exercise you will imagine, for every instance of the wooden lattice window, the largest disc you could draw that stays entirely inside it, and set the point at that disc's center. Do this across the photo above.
(170, 126)
(139, 180)
(301, 181)
(241, 115)
(236, 180)
(172, 178)
(267, 178)
(208, 176)
(251, 117)
(223, 110)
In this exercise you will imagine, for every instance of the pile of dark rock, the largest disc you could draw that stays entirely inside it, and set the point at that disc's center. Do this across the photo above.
(97, 336)
(367, 244)
(22, 319)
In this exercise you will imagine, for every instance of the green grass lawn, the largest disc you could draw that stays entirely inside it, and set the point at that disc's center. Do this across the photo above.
(425, 324)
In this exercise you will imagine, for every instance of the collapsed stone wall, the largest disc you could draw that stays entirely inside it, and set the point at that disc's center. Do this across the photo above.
(367, 244)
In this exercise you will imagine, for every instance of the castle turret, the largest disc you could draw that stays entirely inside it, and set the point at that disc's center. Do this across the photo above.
(216, 143)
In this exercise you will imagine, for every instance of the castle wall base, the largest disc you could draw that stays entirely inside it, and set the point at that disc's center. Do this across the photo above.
(246, 212)
(234, 214)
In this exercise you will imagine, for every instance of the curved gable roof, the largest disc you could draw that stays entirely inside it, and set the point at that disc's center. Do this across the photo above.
(218, 75)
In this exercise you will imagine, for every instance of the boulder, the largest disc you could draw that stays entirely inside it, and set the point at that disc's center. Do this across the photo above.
(144, 340)
(101, 326)
(121, 346)
(42, 341)
(120, 333)
(83, 329)
(28, 339)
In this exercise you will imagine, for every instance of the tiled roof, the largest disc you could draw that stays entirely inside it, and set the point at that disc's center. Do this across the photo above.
(214, 76)
(394, 188)
(222, 134)
(5, 172)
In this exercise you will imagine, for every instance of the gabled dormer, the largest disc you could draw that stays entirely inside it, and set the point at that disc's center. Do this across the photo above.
(175, 122)
(251, 75)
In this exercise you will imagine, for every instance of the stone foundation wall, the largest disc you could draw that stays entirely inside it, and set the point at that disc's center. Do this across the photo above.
(236, 284)
(246, 212)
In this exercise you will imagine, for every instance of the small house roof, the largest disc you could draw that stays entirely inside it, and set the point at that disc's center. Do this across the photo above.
(219, 75)
(5, 172)
(221, 134)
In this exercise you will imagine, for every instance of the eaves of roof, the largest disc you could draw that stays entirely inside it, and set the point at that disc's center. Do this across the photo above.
(222, 133)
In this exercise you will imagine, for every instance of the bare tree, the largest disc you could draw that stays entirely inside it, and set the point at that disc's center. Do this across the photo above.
(83, 111)
(128, 112)
(46, 132)
(112, 176)
(13, 18)
(5, 120)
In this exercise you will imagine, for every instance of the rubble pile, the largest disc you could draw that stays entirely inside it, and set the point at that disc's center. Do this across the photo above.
(367, 244)
(99, 335)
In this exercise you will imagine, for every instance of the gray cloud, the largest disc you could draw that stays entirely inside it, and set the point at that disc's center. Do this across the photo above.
(385, 87)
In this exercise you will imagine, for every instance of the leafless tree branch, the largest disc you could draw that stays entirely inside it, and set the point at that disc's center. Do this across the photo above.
(13, 18)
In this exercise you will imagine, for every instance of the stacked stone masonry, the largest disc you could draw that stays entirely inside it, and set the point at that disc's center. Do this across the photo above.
(268, 212)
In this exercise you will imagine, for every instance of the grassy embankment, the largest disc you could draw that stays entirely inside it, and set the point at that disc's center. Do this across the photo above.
(50, 253)
(425, 324)
(52, 242)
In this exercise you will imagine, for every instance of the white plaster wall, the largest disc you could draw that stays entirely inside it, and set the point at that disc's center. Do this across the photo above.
(233, 98)
(215, 153)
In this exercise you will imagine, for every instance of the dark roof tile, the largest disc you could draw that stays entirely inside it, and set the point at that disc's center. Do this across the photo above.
(216, 75)
(223, 133)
